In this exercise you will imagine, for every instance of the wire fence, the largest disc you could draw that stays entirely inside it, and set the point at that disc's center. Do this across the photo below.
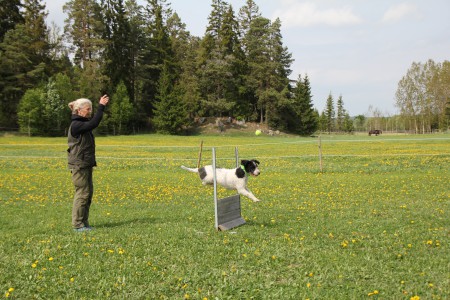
(387, 147)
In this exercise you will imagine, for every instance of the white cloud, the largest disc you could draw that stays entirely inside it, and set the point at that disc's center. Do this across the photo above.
(308, 14)
(400, 11)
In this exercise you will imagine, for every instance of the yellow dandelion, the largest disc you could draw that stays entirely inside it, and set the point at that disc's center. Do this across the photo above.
(11, 289)
(50, 258)
(308, 285)
(72, 279)
(415, 298)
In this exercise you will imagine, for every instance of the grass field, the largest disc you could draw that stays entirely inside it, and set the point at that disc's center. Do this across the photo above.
(375, 224)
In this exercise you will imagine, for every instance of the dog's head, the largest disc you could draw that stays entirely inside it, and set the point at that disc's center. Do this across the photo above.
(251, 167)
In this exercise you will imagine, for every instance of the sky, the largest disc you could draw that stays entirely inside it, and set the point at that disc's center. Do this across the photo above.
(357, 49)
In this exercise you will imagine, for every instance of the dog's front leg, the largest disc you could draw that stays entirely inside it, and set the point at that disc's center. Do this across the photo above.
(248, 194)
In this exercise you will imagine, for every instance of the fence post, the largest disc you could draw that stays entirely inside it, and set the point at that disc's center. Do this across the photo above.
(320, 154)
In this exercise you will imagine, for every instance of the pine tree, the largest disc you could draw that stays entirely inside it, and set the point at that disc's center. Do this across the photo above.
(84, 29)
(268, 63)
(215, 18)
(155, 55)
(185, 48)
(330, 114)
(306, 122)
(24, 60)
(247, 14)
(136, 43)
(169, 113)
(9, 16)
(221, 59)
(119, 64)
(231, 50)
(280, 62)
(340, 114)
(259, 65)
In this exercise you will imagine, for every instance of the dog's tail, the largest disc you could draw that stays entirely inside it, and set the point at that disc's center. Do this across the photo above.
(194, 170)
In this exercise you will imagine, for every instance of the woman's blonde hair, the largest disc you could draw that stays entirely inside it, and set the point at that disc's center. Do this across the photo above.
(78, 104)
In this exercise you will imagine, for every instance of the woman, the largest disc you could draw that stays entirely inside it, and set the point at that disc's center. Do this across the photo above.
(81, 157)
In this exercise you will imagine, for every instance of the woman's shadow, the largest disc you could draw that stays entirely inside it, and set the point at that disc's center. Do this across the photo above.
(136, 221)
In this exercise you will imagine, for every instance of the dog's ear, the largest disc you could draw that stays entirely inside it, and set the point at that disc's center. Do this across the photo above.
(244, 162)
(255, 161)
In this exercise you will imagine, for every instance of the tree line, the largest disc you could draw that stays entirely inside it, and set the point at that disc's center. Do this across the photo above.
(423, 97)
(159, 76)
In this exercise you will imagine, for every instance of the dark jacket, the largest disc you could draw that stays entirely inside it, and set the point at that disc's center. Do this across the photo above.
(81, 141)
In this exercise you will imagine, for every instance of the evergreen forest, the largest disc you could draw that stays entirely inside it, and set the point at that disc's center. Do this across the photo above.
(160, 78)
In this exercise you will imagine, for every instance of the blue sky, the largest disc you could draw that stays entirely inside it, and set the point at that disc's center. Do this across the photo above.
(359, 49)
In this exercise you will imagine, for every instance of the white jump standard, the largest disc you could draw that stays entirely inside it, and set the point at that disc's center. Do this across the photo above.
(227, 210)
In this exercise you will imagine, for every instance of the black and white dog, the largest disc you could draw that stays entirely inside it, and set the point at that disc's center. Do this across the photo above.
(232, 179)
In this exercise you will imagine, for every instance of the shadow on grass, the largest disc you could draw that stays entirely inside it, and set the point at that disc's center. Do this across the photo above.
(130, 223)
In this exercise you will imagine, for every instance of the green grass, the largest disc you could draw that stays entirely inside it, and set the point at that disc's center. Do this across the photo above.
(374, 224)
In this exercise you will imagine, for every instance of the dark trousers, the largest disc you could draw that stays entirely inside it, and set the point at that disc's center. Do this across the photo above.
(84, 189)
